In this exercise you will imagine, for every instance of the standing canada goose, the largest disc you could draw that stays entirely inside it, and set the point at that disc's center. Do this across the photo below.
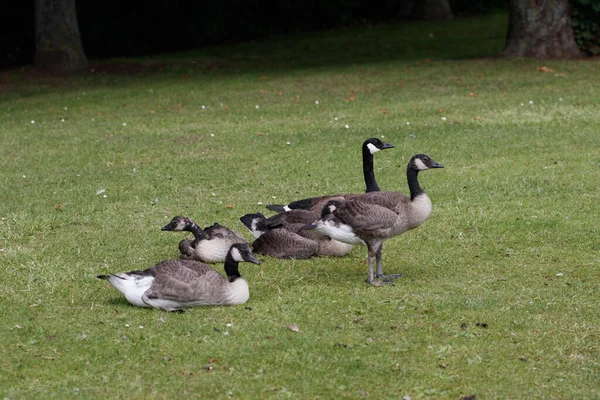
(210, 244)
(372, 218)
(282, 236)
(369, 147)
(173, 284)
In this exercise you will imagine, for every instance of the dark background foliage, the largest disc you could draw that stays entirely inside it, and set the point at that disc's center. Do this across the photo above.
(122, 29)
(586, 25)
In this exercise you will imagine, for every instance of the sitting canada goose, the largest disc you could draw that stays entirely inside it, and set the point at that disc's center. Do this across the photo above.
(282, 236)
(210, 244)
(173, 284)
(372, 218)
(315, 204)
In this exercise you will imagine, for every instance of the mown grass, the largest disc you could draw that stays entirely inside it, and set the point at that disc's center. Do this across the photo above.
(499, 297)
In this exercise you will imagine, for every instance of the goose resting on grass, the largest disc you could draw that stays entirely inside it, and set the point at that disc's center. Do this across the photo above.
(174, 284)
(210, 244)
(282, 236)
(372, 218)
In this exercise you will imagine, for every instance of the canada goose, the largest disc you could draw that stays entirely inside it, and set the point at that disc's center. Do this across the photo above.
(369, 147)
(210, 244)
(173, 284)
(372, 218)
(282, 236)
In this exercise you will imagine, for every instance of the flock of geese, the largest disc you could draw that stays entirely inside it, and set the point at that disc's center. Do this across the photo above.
(319, 226)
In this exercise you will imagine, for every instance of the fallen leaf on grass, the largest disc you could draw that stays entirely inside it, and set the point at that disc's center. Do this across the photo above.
(543, 69)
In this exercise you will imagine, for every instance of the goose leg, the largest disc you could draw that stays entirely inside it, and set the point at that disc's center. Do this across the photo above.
(379, 265)
(375, 257)
(386, 278)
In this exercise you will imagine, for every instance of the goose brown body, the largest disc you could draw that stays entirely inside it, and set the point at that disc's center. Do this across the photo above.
(210, 244)
(282, 236)
(174, 284)
(372, 218)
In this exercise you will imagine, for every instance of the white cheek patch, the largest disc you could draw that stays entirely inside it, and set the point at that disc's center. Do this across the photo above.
(372, 148)
(180, 226)
(235, 254)
(254, 228)
(420, 164)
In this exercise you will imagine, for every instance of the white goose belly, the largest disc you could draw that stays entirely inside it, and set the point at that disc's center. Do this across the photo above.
(338, 231)
(213, 251)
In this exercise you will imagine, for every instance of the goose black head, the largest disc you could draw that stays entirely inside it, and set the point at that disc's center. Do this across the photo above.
(422, 162)
(177, 224)
(241, 252)
(255, 223)
(373, 145)
(330, 207)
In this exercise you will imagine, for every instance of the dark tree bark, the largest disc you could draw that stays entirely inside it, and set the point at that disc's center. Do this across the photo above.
(57, 39)
(540, 29)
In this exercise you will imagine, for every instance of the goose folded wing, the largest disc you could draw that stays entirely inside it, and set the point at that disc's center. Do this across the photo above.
(217, 231)
(170, 288)
(291, 217)
(366, 216)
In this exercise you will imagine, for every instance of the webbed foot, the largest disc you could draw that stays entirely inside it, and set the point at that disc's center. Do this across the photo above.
(389, 277)
(380, 282)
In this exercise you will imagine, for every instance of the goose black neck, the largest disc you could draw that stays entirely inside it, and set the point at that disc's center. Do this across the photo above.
(231, 268)
(413, 182)
(195, 229)
(368, 172)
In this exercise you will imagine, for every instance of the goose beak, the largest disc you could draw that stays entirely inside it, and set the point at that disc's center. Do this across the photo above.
(168, 227)
(436, 165)
(387, 146)
(253, 259)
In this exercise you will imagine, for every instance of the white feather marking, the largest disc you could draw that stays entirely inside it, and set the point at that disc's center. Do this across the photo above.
(239, 293)
(213, 250)
(372, 148)
(235, 254)
(254, 230)
(341, 232)
(286, 208)
(420, 164)
(132, 287)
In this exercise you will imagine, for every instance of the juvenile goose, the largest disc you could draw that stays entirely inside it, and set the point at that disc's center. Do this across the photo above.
(372, 218)
(210, 244)
(369, 147)
(282, 236)
(173, 284)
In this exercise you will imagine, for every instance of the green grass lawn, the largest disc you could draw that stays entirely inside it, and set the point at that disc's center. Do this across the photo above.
(500, 290)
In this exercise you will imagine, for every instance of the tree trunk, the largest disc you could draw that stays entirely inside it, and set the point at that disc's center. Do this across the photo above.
(540, 29)
(57, 40)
